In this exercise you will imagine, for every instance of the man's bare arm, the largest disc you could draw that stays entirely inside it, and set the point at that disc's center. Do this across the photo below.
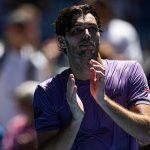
(57, 140)
(135, 121)
(64, 138)
(136, 124)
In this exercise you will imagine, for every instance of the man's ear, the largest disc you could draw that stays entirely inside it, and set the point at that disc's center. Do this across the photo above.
(62, 42)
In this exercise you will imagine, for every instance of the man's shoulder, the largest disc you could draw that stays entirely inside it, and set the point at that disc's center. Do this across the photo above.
(51, 91)
(57, 81)
(120, 65)
(119, 62)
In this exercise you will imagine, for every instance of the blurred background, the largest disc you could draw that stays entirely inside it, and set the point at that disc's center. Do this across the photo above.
(29, 52)
(134, 11)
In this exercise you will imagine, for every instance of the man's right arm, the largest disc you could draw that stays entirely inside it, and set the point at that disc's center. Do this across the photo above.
(56, 140)
(64, 138)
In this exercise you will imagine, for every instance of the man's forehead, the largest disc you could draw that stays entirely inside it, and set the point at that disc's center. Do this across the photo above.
(80, 19)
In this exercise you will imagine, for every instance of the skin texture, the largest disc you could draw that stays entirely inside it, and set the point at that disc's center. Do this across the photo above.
(82, 43)
(82, 46)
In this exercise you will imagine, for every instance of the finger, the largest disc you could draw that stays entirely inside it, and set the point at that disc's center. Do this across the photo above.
(92, 61)
(72, 100)
(70, 85)
(75, 102)
(99, 68)
(100, 74)
(74, 94)
(92, 74)
(100, 77)
(96, 75)
(71, 81)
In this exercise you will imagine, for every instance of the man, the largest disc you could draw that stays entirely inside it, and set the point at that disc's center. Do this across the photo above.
(80, 109)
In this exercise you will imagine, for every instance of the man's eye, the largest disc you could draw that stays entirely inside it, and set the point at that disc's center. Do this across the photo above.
(93, 29)
(76, 30)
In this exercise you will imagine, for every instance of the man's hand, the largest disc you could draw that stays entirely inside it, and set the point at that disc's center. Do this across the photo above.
(97, 81)
(73, 99)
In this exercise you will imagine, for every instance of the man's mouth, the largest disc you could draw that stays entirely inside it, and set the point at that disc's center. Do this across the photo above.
(86, 46)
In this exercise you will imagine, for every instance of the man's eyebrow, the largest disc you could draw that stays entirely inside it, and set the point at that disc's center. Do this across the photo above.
(82, 24)
(77, 24)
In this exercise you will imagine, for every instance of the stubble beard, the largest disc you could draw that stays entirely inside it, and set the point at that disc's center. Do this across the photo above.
(80, 62)
(79, 59)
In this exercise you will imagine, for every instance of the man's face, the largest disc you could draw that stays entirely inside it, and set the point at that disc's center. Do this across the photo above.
(83, 37)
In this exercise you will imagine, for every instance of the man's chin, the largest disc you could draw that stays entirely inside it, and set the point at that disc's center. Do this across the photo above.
(86, 48)
(87, 56)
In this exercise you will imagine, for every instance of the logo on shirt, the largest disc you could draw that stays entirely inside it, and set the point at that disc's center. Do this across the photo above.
(37, 112)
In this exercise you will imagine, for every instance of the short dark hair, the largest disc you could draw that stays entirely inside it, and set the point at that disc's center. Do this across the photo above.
(63, 21)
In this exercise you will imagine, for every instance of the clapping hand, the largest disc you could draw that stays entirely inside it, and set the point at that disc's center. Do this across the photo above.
(97, 81)
(73, 99)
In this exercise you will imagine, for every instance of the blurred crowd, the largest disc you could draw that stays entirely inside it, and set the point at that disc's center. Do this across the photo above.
(29, 54)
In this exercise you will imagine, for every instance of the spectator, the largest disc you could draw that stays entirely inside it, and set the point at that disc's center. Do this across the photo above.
(19, 61)
(20, 133)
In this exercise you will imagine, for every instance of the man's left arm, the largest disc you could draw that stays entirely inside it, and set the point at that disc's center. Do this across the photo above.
(135, 121)
(143, 110)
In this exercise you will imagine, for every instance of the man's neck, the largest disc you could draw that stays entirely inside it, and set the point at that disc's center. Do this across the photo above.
(81, 70)
(82, 73)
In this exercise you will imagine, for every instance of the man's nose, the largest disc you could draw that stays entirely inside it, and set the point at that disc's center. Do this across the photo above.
(87, 33)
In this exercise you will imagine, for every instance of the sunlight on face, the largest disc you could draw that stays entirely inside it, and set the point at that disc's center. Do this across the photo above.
(83, 38)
